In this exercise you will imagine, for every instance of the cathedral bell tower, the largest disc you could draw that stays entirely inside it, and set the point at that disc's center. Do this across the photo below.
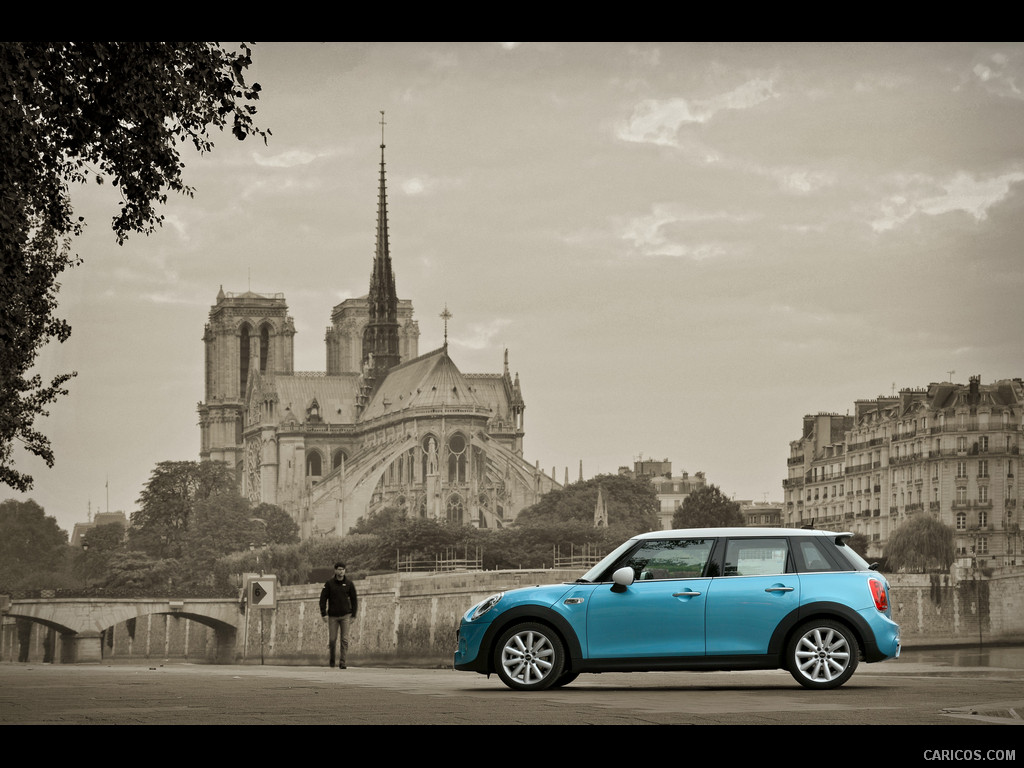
(247, 333)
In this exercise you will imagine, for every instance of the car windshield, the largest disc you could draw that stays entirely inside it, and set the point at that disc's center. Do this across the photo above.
(595, 573)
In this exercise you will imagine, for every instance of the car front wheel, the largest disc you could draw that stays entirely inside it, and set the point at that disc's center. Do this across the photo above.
(529, 657)
(822, 654)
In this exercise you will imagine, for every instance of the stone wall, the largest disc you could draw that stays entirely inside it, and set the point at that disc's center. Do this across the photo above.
(958, 609)
(410, 619)
(407, 618)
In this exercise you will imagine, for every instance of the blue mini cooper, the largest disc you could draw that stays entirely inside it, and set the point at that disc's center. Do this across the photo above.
(697, 599)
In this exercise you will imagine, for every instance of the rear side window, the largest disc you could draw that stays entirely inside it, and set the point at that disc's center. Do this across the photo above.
(756, 557)
(814, 559)
(857, 562)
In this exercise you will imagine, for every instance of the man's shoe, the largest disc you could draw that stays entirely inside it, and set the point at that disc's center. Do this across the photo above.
(342, 666)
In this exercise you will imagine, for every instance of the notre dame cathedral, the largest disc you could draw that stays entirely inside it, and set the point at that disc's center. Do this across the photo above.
(383, 427)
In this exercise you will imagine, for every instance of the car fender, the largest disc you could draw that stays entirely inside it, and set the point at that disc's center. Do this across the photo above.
(538, 613)
(824, 609)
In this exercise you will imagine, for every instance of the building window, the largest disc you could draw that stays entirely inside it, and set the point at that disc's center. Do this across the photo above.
(314, 466)
(961, 521)
(457, 458)
(454, 509)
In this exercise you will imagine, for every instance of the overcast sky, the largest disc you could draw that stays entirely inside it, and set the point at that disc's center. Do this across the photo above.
(685, 248)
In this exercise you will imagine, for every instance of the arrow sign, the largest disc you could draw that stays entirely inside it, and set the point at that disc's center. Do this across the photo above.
(261, 592)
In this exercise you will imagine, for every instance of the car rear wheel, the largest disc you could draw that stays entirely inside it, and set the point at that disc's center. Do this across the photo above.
(529, 657)
(822, 654)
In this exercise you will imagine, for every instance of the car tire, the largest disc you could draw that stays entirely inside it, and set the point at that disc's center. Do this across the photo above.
(822, 654)
(529, 657)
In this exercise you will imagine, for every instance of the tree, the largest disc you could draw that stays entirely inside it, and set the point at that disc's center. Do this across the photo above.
(224, 523)
(632, 504)
(168, 500)
(91, 111)
(31, 543)
(278, 526)
(707, 507)
(921, 543)
(128, 570)
(105, 538)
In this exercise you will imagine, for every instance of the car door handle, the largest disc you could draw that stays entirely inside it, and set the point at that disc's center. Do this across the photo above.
(686, 594)
(779, 589)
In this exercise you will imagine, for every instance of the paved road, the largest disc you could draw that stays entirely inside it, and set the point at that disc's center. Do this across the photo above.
(903, 692)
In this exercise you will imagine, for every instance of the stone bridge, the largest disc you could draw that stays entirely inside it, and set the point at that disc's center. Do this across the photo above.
(80, 622)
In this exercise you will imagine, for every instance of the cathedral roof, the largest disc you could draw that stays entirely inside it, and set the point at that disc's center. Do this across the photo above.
(428, 381)
(491, 389)
(335, 396)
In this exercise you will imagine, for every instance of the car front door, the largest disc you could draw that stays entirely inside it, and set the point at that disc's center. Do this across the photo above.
(661, 614)
(756, 591)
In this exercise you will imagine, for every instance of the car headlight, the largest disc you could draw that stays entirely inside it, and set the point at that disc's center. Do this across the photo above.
(486, 605)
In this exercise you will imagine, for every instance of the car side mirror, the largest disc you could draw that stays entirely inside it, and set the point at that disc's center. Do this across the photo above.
(622, 578)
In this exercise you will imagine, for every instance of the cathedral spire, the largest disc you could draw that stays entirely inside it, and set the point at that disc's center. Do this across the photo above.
(380, 339)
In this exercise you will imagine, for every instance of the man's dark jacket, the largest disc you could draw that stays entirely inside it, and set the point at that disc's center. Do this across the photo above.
(338, 598)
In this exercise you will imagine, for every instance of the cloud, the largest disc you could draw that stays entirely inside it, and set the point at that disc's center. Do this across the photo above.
(289, 159)
(996, 77)
(963, 192)
(657, 121)
(480, 335)
(426, 185)
(652, 234)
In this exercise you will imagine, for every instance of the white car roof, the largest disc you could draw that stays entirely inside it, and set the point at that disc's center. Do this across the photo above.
(713, 533)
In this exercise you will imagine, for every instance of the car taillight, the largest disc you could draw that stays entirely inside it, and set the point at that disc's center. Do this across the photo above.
(879, 594)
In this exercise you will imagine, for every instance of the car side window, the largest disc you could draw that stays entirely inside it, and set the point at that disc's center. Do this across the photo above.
(756, 557)
(669, 559)
(814, 560)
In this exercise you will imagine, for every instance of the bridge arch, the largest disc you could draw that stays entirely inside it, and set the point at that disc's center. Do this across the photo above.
(81, 624)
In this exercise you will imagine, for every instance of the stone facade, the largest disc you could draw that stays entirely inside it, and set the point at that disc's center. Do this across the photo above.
(950, 451)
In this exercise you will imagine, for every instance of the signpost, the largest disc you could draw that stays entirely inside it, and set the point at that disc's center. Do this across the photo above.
(261, 592)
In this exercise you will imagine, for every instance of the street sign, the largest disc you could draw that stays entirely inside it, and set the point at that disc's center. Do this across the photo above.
(263, 592)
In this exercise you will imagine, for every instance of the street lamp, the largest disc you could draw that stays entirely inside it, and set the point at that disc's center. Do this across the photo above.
(85, 564)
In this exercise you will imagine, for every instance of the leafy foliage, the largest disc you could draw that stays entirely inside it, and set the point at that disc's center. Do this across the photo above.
(278, 526)
(31, 543)
(169, 499)
(632, 505)
(921, 543)
(136, 570)
(708, 507)
(90, 111)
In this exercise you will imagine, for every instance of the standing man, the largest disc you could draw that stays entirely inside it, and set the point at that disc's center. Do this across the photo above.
(338, 603)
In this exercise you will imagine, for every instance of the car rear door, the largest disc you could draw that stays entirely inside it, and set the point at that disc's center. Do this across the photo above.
(756, 590)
